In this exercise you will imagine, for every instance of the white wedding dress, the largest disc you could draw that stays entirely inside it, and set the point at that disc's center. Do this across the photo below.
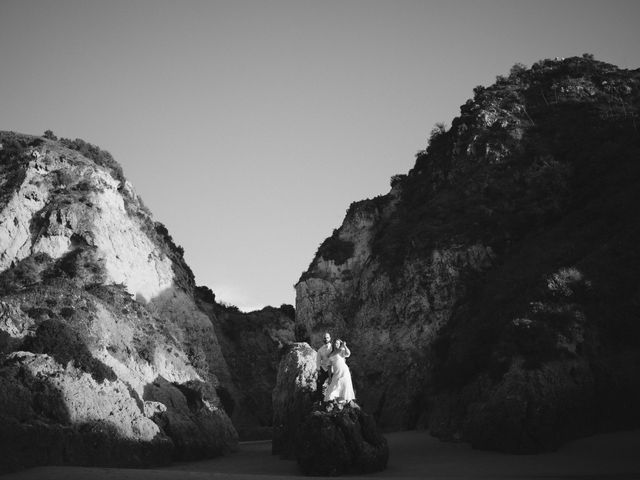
(340, 387)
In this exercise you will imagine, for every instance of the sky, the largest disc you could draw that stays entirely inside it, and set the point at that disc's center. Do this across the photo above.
(248, 127)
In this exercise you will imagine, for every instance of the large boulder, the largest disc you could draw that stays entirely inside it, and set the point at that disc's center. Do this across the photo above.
(193, 422)
(336, 439)
(293, 396)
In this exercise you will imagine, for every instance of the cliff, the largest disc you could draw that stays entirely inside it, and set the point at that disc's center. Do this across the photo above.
(491, 296)
(103, 350)
(252, 344)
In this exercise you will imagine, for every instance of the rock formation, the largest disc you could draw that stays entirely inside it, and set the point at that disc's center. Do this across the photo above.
(100, 337)
(325, 438)
(491, 295)
(293, 396)
(252, 344)
(336, 439)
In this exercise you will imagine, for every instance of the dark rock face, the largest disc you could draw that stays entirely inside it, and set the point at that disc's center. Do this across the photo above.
(193, 424)
(528, 412)
(293, 396)
(492, 295)
(325, 438)
(342, 440)
(252, 344)
(84, 445)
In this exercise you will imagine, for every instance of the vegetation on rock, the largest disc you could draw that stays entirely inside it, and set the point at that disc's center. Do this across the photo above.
(101, 340)
(504, 269)
(100, 157)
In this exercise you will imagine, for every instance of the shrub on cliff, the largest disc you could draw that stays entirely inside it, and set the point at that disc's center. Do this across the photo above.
(101, 157)
(288, 310)
(168, 239)
(25, 273)
(205, 294)
(54, 337)
(48, 134)
(508, 165)
(336, 249)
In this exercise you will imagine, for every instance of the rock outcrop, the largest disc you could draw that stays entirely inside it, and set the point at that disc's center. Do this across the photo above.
(293, 396)
(252, 344)
(336, 439)
(324, 438)
(490, 296)
(56, 414)
(100, 335)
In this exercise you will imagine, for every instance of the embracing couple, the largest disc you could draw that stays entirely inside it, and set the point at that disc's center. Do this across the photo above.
(334, 372)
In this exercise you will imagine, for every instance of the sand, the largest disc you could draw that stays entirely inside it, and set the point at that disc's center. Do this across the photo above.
(413, 455)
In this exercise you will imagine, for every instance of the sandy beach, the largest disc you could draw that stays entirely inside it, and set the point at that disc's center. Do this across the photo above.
(413, 455)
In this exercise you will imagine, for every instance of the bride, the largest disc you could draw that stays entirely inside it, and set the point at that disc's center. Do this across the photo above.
(340, 388)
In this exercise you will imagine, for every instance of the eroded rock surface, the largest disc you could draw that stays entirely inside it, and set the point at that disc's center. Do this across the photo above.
(97, 311)
(252, 344)
(340, 439)
(492, 295)
(54, 414)
(293, 396)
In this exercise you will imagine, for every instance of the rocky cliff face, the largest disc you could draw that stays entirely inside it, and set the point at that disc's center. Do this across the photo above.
(490, 295)
(252, 344)
(98, 324)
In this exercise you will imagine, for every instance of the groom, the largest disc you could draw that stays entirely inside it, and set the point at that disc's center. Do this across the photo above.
(323, 365)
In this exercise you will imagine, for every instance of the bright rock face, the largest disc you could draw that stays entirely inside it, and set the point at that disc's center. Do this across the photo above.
(65, 199)
(492, 295)
(97, 307)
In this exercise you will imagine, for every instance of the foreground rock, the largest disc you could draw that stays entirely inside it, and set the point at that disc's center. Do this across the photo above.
(336, 439)
(53, 414)
(101, 341)
(492, 294)
(293, 396)
(193, 422)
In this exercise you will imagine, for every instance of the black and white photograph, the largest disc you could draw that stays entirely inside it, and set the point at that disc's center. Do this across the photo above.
(271, 239)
